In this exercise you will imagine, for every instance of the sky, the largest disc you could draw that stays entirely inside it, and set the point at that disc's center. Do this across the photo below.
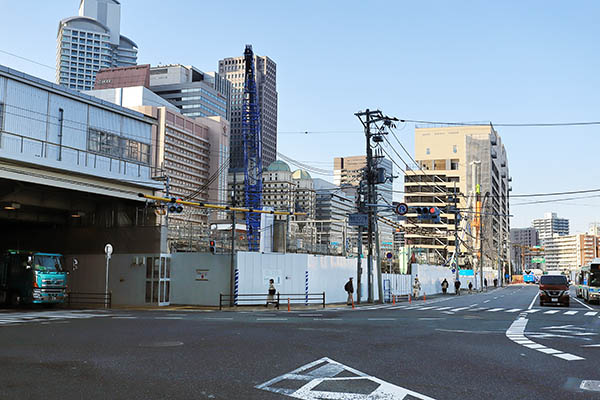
(459, 61)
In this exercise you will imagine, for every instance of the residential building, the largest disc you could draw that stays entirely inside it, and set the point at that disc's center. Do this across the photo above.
(348, 172)
(195, 93)
(550, 225)
(458, 162)
(233, 69)
(90, 42)
(521, 241)
(568, 252)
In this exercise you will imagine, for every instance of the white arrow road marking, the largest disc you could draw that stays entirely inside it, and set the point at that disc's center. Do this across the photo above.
(329, 379)
(516, 333)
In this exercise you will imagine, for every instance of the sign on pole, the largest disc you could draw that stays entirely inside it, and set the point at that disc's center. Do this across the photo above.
(401, 208)
(358, 219)
(538, 260)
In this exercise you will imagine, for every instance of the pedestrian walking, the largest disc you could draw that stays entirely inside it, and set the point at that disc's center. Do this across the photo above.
(495, 282)
(485, 283)
(416, 288)
(271, 295)
(457, 286)
(470, 287)
(444, 286)
(349, 288)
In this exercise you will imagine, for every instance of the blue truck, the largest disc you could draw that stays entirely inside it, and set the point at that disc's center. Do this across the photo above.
(28, 277)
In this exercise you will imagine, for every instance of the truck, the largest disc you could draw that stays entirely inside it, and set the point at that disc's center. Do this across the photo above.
(28, 277)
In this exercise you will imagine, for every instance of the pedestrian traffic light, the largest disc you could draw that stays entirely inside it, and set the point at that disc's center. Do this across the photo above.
(212, 246)
(175, 207)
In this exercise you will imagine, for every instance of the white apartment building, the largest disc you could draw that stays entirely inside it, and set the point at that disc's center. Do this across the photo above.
(568, 252)
(91, 41)
(550, 225)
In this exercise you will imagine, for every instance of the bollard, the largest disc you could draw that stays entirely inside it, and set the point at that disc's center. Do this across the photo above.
(394, 299)
(288, 304)
(353, 304)
(409, 299)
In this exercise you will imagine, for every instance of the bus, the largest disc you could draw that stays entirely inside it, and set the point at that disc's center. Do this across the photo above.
(532, 275)
(588, 281)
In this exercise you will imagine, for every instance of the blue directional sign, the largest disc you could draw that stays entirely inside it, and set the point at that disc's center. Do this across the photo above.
(401, 208)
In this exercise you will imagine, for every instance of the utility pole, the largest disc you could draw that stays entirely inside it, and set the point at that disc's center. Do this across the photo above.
(232, 265)
(359, 245)
(456, 242)
(380, 122)
(487, 194)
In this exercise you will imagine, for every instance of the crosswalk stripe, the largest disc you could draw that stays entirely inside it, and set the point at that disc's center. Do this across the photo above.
(532, 310)
(551, 312)
(444, 308)
(591, 313)
(513, 310)
(495, 309)
(427, 308)
(571, 312)
(459, 309)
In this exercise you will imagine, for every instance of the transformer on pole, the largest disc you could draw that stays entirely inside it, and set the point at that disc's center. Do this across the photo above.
(251, 136)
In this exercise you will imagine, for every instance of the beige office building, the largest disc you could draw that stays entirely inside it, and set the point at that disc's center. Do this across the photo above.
(459, 159)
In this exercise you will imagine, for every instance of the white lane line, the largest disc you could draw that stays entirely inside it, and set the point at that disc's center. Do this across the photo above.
(168, 317)
(310, 315)
(271, 319)
(516, 333)
(582, 303)
(443, 308)
(551, 312)
(513, 310)
(487, 301)
(427, 308)
(495, 309)
(591, 313)
(124, 318)
(571, 312)
(327, 319)
(381, 319)
(533, 301)
(397, 308)
(219, 318)
(532, 311)
(459, 309)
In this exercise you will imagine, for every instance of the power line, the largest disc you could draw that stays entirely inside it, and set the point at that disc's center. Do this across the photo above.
(28, 59)
(527, 124)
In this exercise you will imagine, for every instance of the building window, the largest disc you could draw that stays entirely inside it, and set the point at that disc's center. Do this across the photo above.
(1, 117)
(427, 151)
(116, 146)
(454, 149)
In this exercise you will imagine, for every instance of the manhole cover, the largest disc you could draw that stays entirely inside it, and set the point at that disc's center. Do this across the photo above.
(161, 344)
(590, 385)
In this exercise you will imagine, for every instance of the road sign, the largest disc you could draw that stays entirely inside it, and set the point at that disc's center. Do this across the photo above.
(389, 255)
(538, 260)
(358, 219)
(401, 209)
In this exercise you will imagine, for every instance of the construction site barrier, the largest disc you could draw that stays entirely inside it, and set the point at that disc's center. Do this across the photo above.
(263, 299)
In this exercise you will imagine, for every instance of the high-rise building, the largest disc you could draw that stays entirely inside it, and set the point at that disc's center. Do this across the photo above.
(550, 225)
(195, 93)
(457, 162)
(569, 252)
(333, 207)
(90, 42)
(348, 172)
(521, 240)
(233, 68)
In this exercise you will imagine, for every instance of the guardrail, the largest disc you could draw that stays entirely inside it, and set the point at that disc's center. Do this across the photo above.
(260, 299)
(78, 298)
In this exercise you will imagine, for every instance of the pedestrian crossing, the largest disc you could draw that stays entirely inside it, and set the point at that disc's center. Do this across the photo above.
(472, 308)
(46, 317)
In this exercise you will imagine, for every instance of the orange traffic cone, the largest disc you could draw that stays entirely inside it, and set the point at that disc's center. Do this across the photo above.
(409, 299)
(394, 299)
(288, 304)
(424, 296)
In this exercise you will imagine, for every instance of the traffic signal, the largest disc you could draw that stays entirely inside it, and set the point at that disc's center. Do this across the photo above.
(212, 246)
(175, 207)
(428, 213)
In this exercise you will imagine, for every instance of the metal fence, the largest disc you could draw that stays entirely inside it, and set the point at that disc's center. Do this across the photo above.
(228, 300)
(89, 299)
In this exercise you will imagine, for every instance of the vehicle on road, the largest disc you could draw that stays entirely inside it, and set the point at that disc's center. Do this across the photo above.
(32, 278)
(532, 275)
(554, 289)
(588, 281)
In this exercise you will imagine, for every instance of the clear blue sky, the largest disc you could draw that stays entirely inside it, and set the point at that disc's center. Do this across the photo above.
(505, 62)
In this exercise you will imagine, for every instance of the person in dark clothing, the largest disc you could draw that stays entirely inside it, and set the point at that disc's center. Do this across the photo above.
(470, 287)
(444, 286)
(495, 282)
(457, 286)
(485, 283)
(349, 288)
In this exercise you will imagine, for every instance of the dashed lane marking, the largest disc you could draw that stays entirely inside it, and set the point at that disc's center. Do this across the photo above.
(381, 319)
(271, 319)
(516, 333)
(571, 312)
(551, 312)
(591, 313)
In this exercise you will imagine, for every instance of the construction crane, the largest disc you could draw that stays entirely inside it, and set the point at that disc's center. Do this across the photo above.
(251, 136)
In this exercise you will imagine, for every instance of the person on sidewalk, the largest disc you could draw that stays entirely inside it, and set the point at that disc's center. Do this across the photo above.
(485, 283)
(444, 286)
(470, 287)
(495, 282)
(272, 291)
(416, 288)
(349, 288)
(457, 286)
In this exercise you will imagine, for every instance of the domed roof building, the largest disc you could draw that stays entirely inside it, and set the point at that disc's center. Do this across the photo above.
(277, 166)
(301, 174)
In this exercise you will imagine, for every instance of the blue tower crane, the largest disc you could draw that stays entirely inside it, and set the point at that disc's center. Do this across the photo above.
(251, 136)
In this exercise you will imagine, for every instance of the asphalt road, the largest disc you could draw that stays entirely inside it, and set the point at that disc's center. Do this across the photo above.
(495, 345)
